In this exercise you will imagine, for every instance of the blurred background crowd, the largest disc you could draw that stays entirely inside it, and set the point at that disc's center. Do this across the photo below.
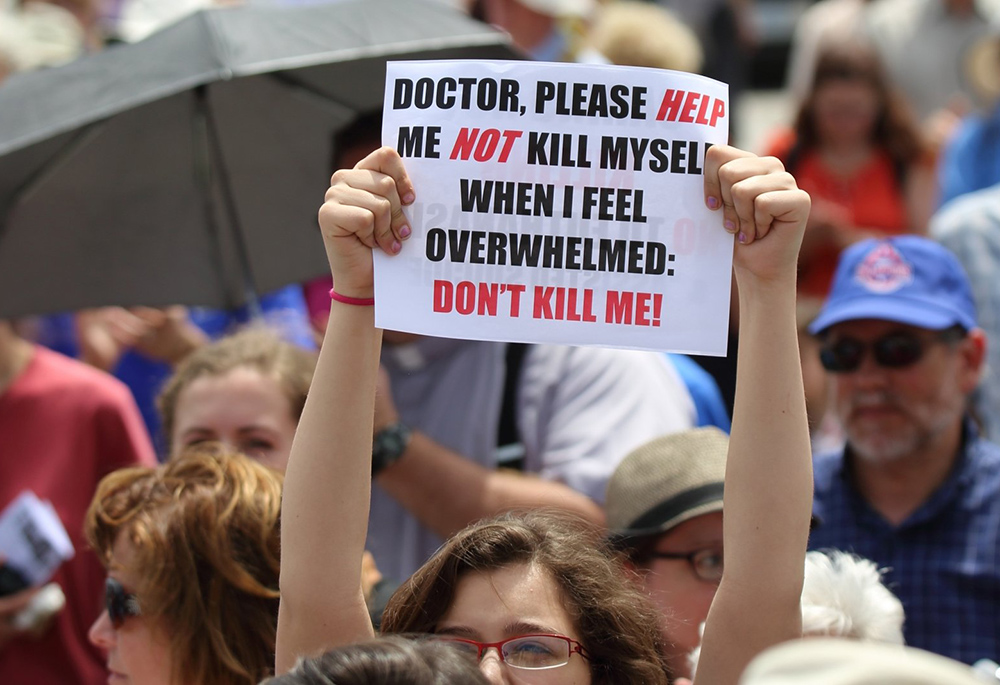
(887, 112)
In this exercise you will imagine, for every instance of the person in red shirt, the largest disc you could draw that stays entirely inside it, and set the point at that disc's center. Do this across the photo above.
(856, 151)
(63, 426)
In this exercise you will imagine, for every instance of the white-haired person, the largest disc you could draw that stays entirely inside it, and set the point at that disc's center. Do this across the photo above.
(843, 596)
(518, 618)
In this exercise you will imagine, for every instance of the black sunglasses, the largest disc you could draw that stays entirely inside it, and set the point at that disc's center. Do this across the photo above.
(120, 604)
(892, 351)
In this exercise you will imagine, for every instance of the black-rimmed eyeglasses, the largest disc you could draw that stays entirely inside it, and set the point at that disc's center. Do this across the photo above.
(707, 564)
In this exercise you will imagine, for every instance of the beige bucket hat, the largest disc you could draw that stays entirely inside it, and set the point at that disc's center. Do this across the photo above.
(665, 482)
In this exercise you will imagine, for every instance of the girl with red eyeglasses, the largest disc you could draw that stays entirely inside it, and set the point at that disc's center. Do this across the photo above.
(531, 596)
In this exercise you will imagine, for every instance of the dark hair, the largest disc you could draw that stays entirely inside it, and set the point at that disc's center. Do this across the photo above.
(894, 130)
(204, 527)
(617, 628)
(395, 660)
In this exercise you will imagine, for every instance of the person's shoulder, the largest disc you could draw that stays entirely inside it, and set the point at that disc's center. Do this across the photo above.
(909, 10)
(984, 462)
(891, 20)
(970, 133)
(57, 373)
(605, 373)
(978, 211)
(987, 453)
(598, 359)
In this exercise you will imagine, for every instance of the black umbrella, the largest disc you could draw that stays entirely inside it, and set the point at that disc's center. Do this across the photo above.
(188, 168)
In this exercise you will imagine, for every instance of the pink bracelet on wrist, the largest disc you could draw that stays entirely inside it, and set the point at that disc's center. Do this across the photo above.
(356, 301)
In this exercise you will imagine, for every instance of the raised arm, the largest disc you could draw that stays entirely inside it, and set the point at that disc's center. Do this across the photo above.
(324, 513)
(768, 496)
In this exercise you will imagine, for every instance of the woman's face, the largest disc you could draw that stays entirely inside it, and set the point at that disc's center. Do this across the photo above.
(243, 409)
(845, 111)
(515, 600)
(138, 652)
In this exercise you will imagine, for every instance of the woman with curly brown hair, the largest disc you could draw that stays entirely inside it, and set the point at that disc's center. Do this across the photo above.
(855, 149)
(532, 599)
(191, 549)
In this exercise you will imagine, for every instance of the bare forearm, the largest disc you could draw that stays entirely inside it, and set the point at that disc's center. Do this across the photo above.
(447, 492)
(768, 496)
(769, 446)
(768, 491)
(328, 480)
(324, 512)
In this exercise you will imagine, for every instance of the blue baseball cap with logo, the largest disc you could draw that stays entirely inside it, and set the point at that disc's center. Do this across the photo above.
(907, 279)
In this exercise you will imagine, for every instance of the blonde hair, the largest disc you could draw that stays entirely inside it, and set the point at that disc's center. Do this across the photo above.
(204, 528)
(261, 349)
(639, 34)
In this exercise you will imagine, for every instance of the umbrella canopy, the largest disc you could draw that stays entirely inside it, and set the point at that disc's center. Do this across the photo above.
(188, 168)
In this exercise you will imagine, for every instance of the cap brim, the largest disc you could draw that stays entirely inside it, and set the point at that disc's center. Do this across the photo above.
(913, 313)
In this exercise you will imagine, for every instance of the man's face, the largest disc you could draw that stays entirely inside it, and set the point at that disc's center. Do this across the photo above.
(890, 413)
(677, 592)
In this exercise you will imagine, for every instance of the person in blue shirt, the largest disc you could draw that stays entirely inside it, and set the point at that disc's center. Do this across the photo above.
(915, 489)
(708, 403)
(971, 159)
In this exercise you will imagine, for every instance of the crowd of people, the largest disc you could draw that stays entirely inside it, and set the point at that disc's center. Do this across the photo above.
(298, 497)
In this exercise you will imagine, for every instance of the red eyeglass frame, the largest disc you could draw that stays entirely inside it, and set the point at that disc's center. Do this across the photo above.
(574, 647)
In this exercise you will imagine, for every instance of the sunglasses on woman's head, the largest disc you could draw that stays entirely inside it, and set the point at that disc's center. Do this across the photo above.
(896, 350)
(120, 604)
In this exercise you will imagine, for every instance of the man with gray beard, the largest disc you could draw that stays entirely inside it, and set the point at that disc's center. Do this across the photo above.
(915, 489)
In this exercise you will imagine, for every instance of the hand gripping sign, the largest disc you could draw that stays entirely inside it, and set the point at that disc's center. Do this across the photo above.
(557, 203)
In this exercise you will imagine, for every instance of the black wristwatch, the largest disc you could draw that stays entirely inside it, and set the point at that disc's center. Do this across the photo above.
(388, 446)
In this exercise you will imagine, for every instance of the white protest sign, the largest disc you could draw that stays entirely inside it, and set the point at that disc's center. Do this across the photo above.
(557, 203)
(33, 539)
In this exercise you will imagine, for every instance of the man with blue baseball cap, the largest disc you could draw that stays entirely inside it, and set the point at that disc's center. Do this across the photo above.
(915, 489)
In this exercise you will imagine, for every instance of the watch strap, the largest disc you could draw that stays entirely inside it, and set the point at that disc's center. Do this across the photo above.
(388, 446)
